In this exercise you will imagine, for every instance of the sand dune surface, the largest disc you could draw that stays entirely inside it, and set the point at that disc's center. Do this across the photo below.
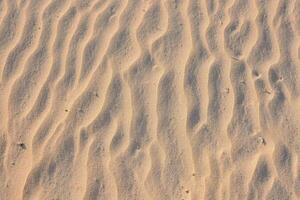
(149, 99)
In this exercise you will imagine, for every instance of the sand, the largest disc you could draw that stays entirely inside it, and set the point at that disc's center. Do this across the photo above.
(149, 99)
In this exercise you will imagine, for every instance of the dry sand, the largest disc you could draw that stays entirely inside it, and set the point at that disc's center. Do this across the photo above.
(149, 99)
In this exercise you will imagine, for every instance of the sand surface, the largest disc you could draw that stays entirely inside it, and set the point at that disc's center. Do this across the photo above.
(149, 99)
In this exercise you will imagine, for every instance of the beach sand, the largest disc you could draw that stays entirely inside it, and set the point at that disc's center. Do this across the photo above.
(149, 99)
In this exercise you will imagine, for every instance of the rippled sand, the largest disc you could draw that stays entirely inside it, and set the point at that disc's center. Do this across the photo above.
(149, 99)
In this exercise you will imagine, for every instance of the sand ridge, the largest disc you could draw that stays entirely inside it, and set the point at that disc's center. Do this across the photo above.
(149, 99)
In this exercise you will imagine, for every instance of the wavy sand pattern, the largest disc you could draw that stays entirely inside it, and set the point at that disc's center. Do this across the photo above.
(149, 99)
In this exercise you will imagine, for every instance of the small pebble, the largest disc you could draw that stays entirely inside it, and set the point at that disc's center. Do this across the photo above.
(262, 140)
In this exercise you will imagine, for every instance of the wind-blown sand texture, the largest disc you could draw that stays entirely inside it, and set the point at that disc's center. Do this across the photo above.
(149, 99)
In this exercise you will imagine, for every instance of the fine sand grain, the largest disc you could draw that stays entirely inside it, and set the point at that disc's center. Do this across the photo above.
(149, 99)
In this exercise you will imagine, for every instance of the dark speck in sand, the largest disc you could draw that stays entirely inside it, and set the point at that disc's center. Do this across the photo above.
(22, 145)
